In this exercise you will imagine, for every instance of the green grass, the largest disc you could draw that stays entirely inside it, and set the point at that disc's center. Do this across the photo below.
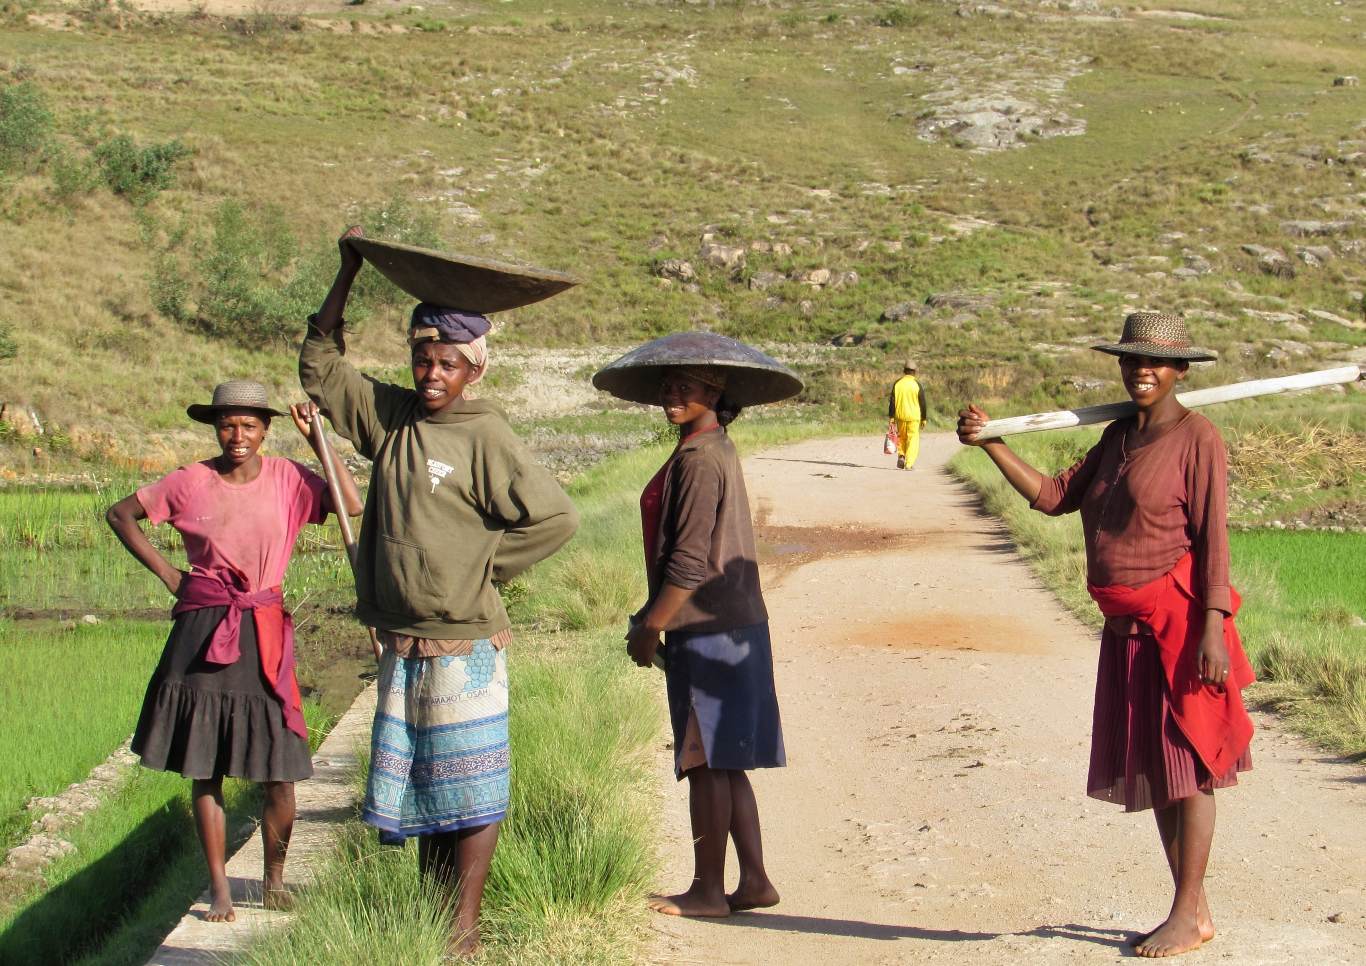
(1303, 613)
(545, 125)
(135, 868)
(61, 719)
(575, 856)
(1304, 593)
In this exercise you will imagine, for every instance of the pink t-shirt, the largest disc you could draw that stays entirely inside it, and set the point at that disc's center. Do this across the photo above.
(249, 528)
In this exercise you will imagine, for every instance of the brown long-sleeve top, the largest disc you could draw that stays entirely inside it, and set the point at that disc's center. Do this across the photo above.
(1142, 508)
(705, 541)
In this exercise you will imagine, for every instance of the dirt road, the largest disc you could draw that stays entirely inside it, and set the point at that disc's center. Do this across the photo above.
(936, 704)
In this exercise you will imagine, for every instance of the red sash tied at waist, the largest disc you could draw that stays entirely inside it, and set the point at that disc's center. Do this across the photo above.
(1212, 718)
(274, 632)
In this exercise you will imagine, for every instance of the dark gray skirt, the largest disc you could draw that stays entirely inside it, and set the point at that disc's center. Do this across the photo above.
(210, 720)
(726, 677)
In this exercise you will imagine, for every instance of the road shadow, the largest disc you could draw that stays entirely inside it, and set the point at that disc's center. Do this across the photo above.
(853, 466)
(1116, 939)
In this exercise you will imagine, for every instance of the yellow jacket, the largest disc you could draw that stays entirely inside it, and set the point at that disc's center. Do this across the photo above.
(907, 401)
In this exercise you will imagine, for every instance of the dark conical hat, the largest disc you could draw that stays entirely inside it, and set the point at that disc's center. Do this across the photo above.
(751, 376)
(460, 281)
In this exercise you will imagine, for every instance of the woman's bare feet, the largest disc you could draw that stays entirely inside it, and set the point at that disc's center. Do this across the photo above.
(1172, 938)
(278, 898)
(1203, 921)
(220, 903)
(693, 903)
(752, 896)
(464, 946)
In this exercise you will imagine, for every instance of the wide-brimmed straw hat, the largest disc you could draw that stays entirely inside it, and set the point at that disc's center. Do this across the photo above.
(1157, 335)
(752, 377)
(237, 394)
(460, 282)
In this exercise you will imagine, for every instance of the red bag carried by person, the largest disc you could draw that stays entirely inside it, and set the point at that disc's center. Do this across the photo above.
(889, 443)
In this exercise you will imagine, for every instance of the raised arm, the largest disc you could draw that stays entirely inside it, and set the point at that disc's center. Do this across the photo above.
(329, 316)
(123, 519)
(361, 409)
(1026, 480)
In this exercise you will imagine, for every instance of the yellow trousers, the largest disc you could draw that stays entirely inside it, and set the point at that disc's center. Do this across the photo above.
(908, 440)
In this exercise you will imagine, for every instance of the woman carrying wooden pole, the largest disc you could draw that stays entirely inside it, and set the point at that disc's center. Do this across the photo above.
(1169, 724)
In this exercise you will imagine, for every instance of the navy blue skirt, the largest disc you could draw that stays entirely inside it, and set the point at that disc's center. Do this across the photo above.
(726, 677)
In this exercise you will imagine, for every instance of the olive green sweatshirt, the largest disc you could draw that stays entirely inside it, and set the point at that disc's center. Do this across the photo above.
(456, 501)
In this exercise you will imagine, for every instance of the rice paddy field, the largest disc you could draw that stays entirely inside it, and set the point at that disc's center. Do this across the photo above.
(82, 626)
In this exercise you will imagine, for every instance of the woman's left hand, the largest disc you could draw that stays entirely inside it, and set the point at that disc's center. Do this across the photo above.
(1214, 660)
(642, 643)
(303, 418)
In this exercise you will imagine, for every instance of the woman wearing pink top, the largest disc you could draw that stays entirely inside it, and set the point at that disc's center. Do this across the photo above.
(223, 699)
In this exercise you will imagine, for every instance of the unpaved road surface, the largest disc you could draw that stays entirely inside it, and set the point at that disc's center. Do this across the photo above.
(936, 703)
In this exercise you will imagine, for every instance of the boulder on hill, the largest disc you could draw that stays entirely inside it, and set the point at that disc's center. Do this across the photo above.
(676, 269)
(1314, 229)
(1271, 261)
(958, 300)
(728, 257)
(899, 312)
(763, 281)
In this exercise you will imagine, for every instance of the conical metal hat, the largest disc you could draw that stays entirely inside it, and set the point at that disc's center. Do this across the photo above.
(752, 377)
(460, 281)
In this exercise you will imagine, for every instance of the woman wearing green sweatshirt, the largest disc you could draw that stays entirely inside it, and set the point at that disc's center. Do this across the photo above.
(456, 502)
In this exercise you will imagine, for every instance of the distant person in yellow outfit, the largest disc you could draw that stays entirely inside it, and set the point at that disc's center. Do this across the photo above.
(906, 413)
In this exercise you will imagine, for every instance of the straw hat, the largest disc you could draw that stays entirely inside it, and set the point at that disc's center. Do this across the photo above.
(237, 394)
(909, 366)
(752, 377)
(459, 281)
(1157, 335)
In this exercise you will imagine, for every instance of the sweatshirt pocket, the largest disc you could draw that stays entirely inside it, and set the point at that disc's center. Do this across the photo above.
(403, 584)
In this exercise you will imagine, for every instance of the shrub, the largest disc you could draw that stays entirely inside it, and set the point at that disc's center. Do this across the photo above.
(25, 126)
(72, 174)
(8, 347)
(139, 173)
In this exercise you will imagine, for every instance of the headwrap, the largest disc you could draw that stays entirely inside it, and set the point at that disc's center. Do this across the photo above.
(465, 330)
(713, 377)
(438, 323)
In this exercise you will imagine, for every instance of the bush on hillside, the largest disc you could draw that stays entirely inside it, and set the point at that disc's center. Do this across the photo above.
(252, 282)
(8, 347)
(138, 172)
(25, 126)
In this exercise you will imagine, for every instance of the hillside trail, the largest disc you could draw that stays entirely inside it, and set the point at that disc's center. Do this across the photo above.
(936, 705)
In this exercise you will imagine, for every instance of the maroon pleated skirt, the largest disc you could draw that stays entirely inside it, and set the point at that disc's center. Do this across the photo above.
(1139, 756)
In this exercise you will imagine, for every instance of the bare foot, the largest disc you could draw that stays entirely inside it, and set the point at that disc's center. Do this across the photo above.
(464, 946)
(747, 896)
(1203, 921)
(220, 906)
(691, 903)
(1170, 939)
(278, 898)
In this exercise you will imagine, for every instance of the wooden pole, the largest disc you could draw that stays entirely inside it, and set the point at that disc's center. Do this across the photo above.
(334, 487)
(1067, 418)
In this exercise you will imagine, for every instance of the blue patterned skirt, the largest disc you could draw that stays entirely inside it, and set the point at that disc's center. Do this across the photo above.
(439, 749)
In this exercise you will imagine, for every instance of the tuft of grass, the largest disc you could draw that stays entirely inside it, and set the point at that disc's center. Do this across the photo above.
(573, 859)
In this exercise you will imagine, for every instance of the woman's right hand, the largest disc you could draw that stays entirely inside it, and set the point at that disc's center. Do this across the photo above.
(351, 259)
(174, 581)
(970, 423)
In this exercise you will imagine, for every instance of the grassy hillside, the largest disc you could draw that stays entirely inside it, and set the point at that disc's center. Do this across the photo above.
(608, 138)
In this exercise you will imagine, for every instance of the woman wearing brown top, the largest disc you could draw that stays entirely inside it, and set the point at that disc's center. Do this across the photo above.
(704, 597)
(1169, 724)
